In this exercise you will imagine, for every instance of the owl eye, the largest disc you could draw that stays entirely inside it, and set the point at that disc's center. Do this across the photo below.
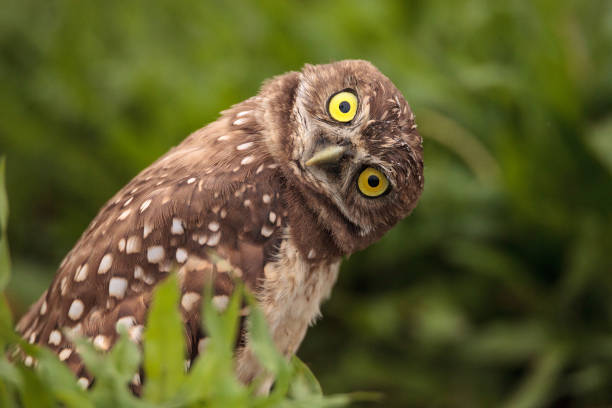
(372, 183)
(342, 106)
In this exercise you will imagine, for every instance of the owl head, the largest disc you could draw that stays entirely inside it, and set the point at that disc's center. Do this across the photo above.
(351, 148)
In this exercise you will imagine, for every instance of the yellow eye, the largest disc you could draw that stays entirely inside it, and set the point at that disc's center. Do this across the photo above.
(372, 183)
(343, 106)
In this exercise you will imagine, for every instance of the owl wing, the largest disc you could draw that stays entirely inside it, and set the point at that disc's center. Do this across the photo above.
(218, 190)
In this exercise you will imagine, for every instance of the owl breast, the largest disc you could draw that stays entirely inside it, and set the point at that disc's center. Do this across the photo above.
(290, 296)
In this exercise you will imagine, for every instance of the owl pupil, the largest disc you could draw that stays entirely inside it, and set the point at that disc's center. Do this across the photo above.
(344, 107)
(373, 181)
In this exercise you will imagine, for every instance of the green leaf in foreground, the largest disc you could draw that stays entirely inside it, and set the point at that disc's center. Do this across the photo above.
(212, 378)
(164, 346)
(5, 260)
(304, 383)
(262, 344)
(112, 372)
(61, 381)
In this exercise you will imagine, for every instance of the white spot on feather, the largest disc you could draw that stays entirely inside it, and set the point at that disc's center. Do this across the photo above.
(125, 322)
(177, 226)
(147, 229)
(214, 239)
(243, 113)
(266, 198)
(105, 263)
(145, 205)
(101, 342)
(76, 330)
(213, 226)
(240, 121)
(189, 300)
(81, 273)
(155, 254)
(220, 302)
(136, 380)
(124, 214)
(244, 146)
(76, 309)
(181, 255)
(65, 354)
(247, 160)
(83, 382)
(63, 286)
(266, 231)
(55, 337)
(138, 272)
(135, 333)
(133, 245)
(117, 287)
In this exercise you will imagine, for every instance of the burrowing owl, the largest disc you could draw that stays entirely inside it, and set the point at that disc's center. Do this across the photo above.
(320, 164)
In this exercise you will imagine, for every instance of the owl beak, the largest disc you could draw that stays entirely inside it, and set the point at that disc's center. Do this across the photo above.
(327, 155)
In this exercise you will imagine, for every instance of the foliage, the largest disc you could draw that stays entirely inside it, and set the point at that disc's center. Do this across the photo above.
(495, 292)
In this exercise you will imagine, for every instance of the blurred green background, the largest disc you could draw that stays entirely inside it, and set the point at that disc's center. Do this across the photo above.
(497, 291)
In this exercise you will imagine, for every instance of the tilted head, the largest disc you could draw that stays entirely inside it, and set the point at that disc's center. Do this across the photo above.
(352, 146)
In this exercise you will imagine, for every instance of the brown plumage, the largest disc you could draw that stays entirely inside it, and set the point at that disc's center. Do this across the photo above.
(276, 186)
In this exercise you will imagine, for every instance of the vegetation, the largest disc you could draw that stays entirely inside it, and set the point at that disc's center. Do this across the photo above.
(495, 292)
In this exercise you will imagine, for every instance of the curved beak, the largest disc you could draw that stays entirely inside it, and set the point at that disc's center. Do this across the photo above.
(327, 155)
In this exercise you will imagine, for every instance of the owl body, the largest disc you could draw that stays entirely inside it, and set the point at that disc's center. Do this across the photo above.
(281, 187)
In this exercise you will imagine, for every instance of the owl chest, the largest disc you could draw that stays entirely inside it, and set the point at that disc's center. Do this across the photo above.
(290, 297)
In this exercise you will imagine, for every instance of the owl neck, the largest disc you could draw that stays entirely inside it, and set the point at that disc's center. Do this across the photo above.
(311, 238)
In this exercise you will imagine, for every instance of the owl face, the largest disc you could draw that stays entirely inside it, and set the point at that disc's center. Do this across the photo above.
(356, 149)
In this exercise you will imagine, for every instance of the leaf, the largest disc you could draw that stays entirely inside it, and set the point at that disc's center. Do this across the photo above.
(600, 141)
(7, 334)
(222, 326)
(212, 376)
(125, 357)
(9, 374)
(303, 383)
(111, 381)
(60, 380)
(7, 396)
(34, 394)
(4, 207)
(5, 260)
(262, 344)
(538, 385)
(164, 345)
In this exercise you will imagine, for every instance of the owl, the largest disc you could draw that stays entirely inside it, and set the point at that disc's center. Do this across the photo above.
(320, 164)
